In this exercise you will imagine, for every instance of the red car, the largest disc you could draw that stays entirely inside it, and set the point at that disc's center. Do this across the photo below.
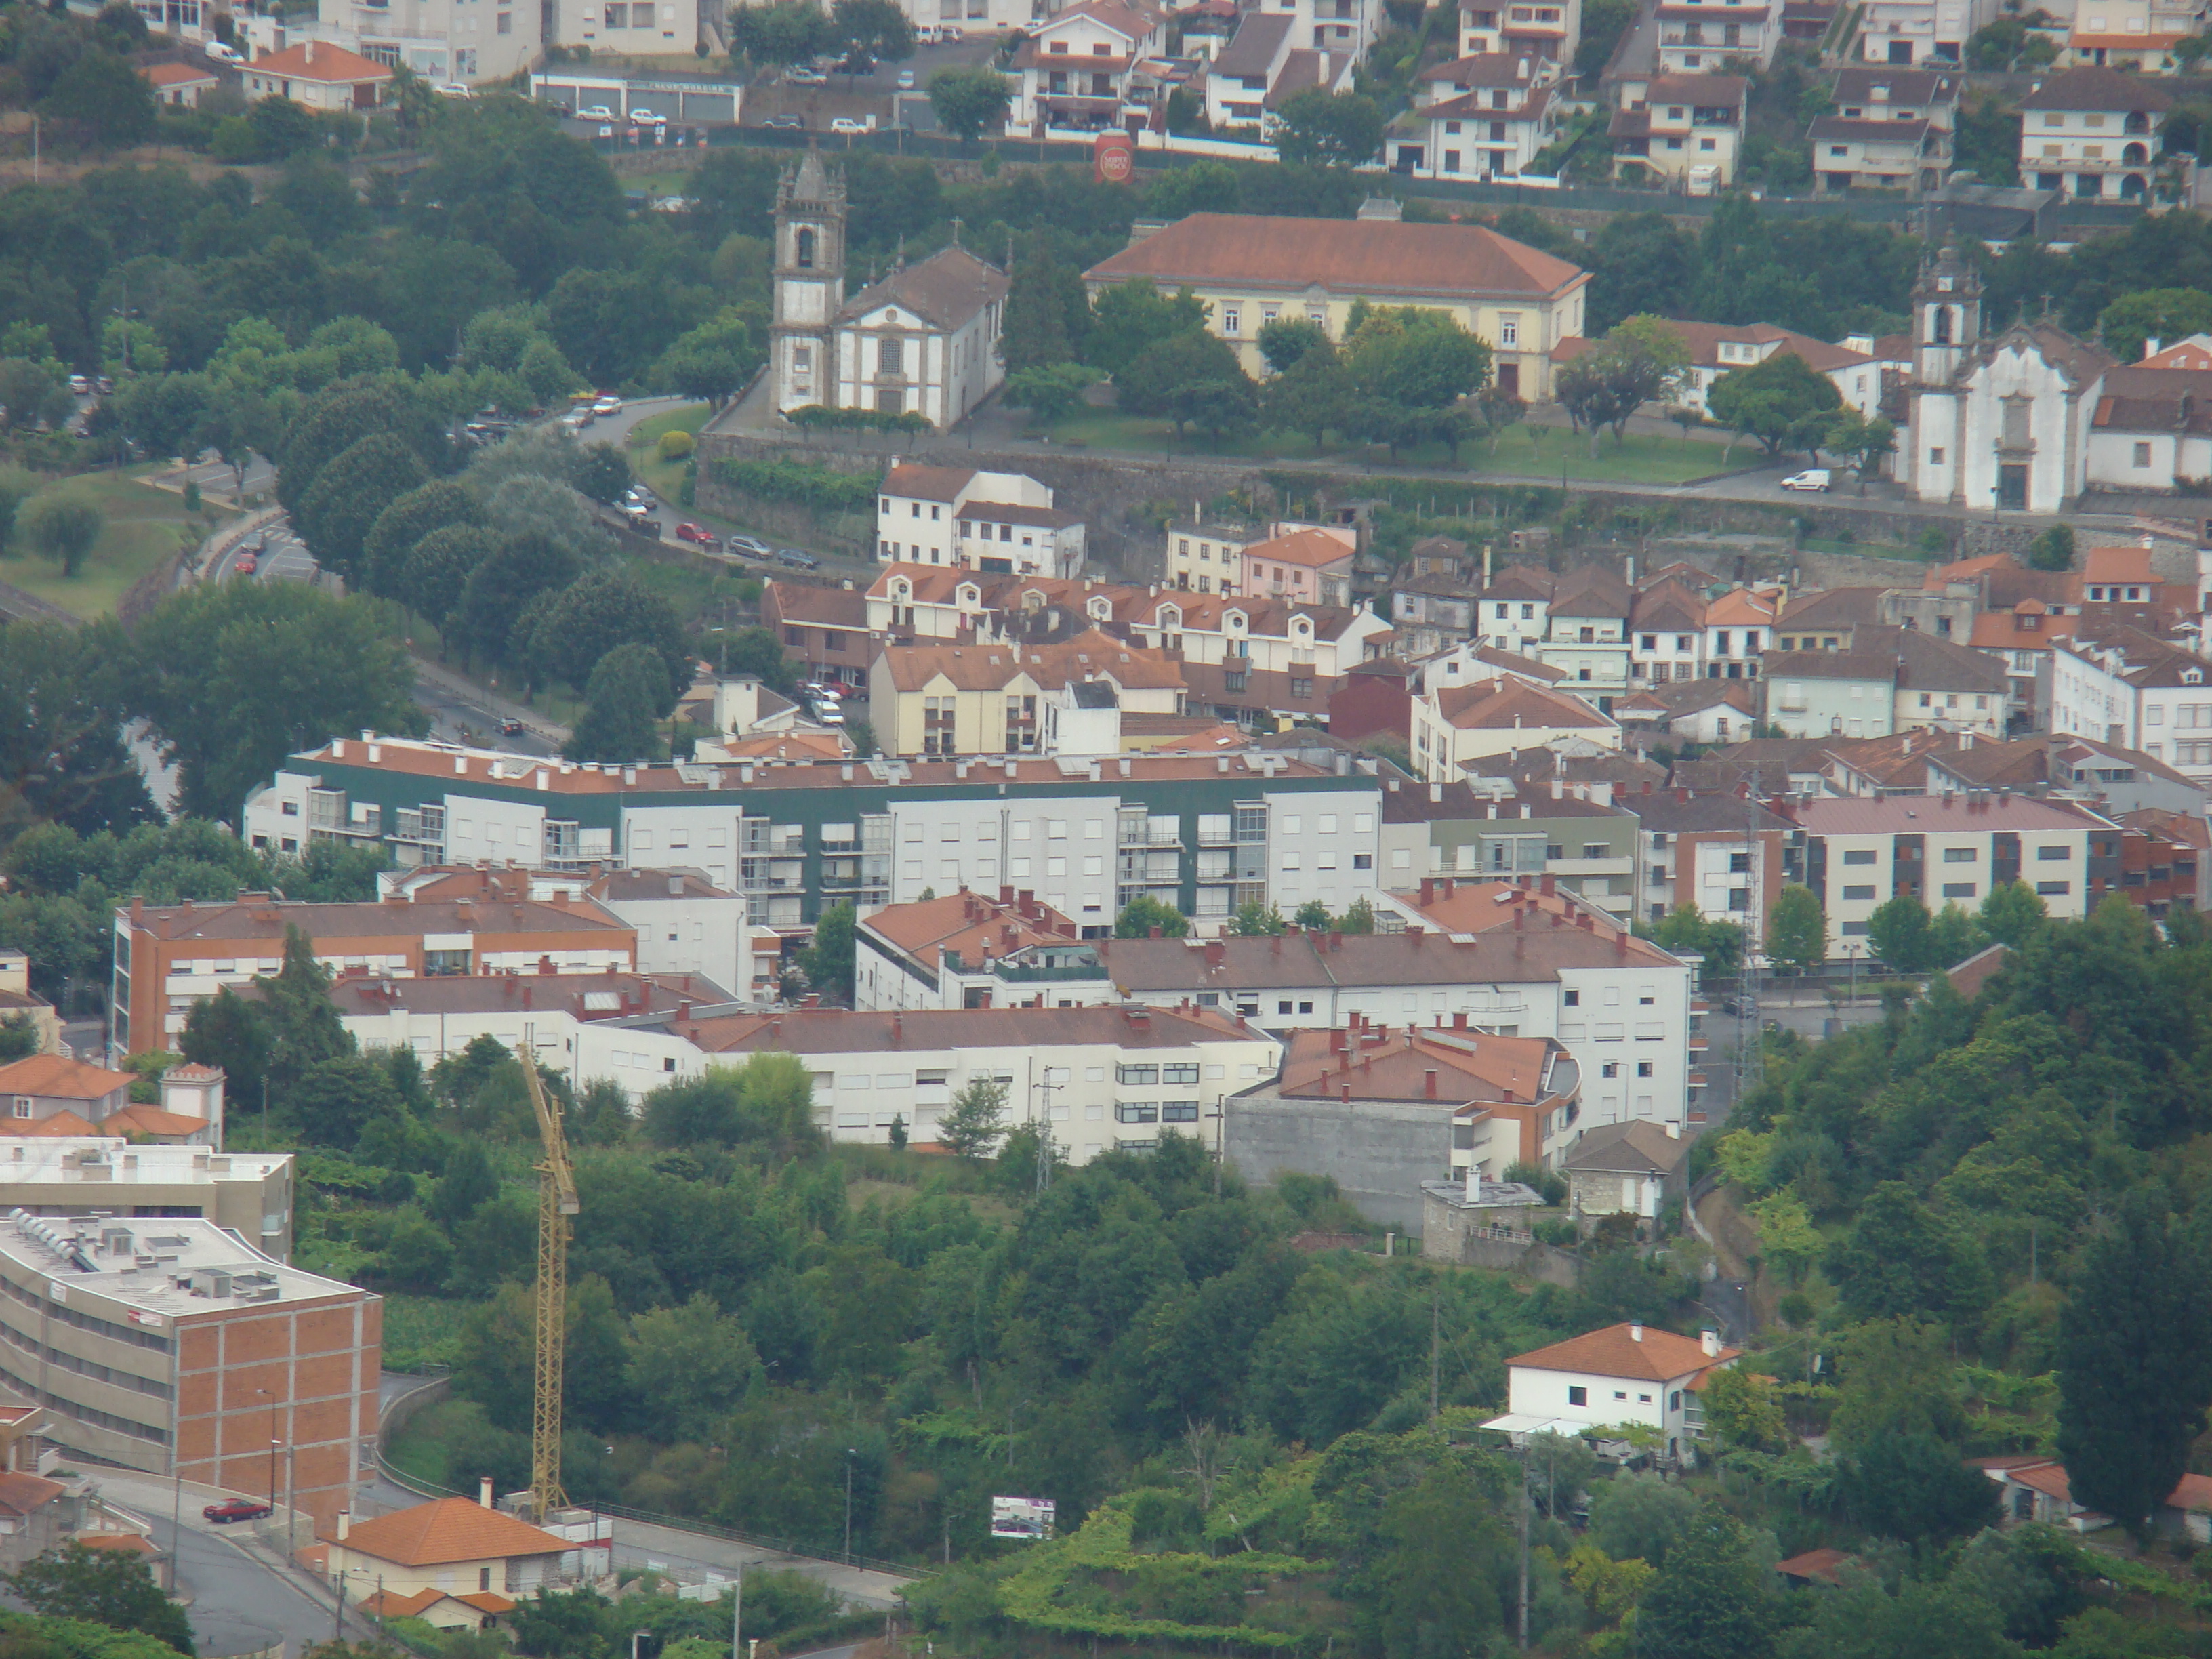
(235, 1509)
(246, 564)
(688, 531)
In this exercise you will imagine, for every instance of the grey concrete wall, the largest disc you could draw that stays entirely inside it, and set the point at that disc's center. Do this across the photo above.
(1379, 1152)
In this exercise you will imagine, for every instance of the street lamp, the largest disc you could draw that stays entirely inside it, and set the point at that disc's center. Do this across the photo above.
(850, 1453)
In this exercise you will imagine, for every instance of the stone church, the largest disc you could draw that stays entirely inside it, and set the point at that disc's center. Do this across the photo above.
(925, 339)
(2031, 419)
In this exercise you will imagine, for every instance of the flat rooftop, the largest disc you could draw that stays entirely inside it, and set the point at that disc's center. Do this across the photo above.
(170, 1266)
(111, 1161)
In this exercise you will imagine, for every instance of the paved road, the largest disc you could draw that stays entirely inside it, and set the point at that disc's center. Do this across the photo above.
(280, 556)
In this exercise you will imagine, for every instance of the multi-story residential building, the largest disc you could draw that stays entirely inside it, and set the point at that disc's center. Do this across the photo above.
(1306, 566)
(804, 835)
(1514, 609)
(1538, 28)
(2132, 34)
(77, 1178)
(167, 1344)
(1457, 724)
(1951, 849)
(1431, 614)
(1892, 679)
(1667, 635)
(1739, 627)
(1380, 1113)
(1831, 694)
(1694, 711)
(2091, 132)
(1075, 67)
(1828, 620)
(1587, 633)
(986, 698)
(21, 1005)
(1723, 855)
(1267, 635)
(1249, 269)
(1486, 117)
(965, 950)
(1681, 125)
(1891, 130)
(1921, 34)
(1206, 558)
(824, 628)
(1098, 1078)
(2121, 685)
(1494, 827)
(169, 956)
(472, 42)
(999, 523)
(1697, 37)
(1244, 70)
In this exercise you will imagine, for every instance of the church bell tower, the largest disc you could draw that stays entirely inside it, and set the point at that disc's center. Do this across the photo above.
(1946, 317)
(810, 284)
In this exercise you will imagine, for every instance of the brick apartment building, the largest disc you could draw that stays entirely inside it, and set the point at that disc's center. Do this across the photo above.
(169, 956)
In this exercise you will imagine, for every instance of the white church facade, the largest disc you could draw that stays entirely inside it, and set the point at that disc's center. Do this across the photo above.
(2031, 419)
(925, 340)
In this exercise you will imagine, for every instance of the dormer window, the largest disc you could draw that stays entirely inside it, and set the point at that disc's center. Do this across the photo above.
(2192, 677)
(900, 591)
(1235, 621)
(1169, 616)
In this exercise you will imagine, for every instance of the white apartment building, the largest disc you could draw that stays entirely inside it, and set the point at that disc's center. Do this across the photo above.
(1514, 610)
(1100, 1078)
(475, 41)
(1543, 29)
(1921, 34)
(1619, 1005)
(999, 523)
(795, 836)
(1697, 37)
(2132, 34)
(1481, 117)
(620, 26)
(2093, 133)
(1667, 635)
(1075, 69)
(1624, 1374)
(1319, 641)
(1457, 724)
(1206, 558)
(2124, 687)
(1860, 852)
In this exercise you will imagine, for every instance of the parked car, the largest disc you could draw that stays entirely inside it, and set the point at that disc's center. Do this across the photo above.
(606, 403)
(645, 117)
(949, 35)
(906, 80)
(846, 126)
(641, 519)
(826, 711)
(697, 534)
(747, 547)
(510, 728)
(455, 89)
(103, 385)
(222, 53)
(1816, 477)
(638, 496)
(79, 385)
(804, 74)
(817, 689)
(246, 563)
(235, 1509)
(786, 124)
(597, 112)
(793, 559)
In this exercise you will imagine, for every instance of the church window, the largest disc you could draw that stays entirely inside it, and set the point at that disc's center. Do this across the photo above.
(2017, 410)
(805, 249)
(1942, 336)
(891, 357)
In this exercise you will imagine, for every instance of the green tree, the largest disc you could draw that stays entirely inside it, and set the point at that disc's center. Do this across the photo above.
(2053, 549)
(1784, 401)
(827, 962)
(1192, 379)
(227, 1030)
(1915, 1487)
(1898, 1378)
(335, 1099)
(1745, 1409)
(1047, 311)
(1641, 1517)
(63, 528)
(1714, 1599)
(1863, 442)
(602, 613)
(1642, 360)
(2012, 914)
(622, 703)
(235, 677)
(687, 1366)
(1143, 913)
(1685, 927)
(465, 1185)
(336, 514)
(101, 1587)
(1897, 933)
(1312, 915)
(400, 528)
(1359, 917)
(757, 650)
(1254, 917)
(710, 362)
(1796, 929)
(1285, 340)
(1903, 1258)
(1333, 129)
(2167, 314)
(1129, 316)
(874, 29)
(19, 1038)
(2135, 1370)
(976, 1120)
(1953, 936)
(438, 570)
(1050, 391)
(1314, 396)
(107, 99)
(499, 591)
(969, 102)
(790, 32)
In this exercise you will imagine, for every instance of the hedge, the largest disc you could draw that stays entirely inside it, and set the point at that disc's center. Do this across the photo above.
(800, 483)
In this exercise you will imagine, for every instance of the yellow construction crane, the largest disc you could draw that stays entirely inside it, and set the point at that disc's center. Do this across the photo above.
(556, 1202)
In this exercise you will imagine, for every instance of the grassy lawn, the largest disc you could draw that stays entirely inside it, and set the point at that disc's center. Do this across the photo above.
(1867, 549)
(1522, 451)
(672, 182)
(664, 478)
(142, 526)
(423, 1447)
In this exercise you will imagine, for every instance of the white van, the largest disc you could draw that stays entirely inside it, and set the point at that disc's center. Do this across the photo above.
(1702, 180)
(1813, 478)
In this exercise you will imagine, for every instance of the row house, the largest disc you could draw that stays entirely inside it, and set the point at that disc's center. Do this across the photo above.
(1457, 724)
(1301, 565)
(1921, 34)
(1482, 117)
(1432, 613)
(1208, 558)
(987, 697)
(1270, 635)
(1893, 679)
(1891, 129)
(1667, 635)
(1514, 609)
(2124, 686)
(1500, 828)
(1952, 849)
(1550, 29)
(1725, 856)
(1697, 37)
(2093, 133)
(1075, 69)
(1684, 122)
(1587, 632)
(1001, 523)
(2132, 34)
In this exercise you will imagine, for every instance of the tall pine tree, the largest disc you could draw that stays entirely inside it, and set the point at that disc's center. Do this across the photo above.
(2134, 1373)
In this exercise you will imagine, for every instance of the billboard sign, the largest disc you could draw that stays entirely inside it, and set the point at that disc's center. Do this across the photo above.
(1022, 1517)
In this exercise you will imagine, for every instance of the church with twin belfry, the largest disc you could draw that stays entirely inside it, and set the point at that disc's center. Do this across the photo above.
(2031, 419)
(925, 340)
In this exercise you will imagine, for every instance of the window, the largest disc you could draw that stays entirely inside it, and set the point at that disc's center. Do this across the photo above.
(1644, 1068)
(1572, 999)
(2050, 854)
(1144, 1076)
(2142, 454)
(1594, 849)
(1577, 1394)
(1859, 855)
(1611, 1068)
(1961, 855)
(2054, 889)
(1230, 318)
(1126, 1114)
(1862, 893)
(1959, 889)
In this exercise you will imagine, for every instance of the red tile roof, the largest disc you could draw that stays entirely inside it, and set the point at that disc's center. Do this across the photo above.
(1643, 1352)
(449, 1529)
(1827, 1565)
(319, 61)
(1362, 256)
(55, 1077)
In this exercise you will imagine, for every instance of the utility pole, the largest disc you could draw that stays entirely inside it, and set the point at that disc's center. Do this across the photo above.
(849, 1454)
(738, 1609)
(1525, 1546)
(1436, 1347)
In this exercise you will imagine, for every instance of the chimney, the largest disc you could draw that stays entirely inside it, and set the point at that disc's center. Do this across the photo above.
(2151, 345)
(1216, 954)
(1435, 794)
(1634, 1330)
(483, 1491)
(345, 1522)
(1336, 941)
(1429, 1085)
(1275, 941)
(1710, 1340)
(311, 51)
(1547, 884)
(1156, 932)
(1414, 933)
(898, 1028)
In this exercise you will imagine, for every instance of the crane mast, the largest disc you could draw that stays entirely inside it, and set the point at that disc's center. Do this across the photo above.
(556, 1202)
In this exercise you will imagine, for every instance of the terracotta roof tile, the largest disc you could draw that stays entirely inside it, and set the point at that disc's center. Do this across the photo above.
(55, 1077)
(448, 1530)
(1375, 256)
(1657, 1357)
(319, 61)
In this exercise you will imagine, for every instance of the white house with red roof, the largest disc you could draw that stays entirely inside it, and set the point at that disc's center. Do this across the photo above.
(181, 84)
(1674, 123)
(1630, 1373)
(1718, 349)
(1485, 116)
(320, 75)
(461, 1564)
(1075, 69)
(998, 523)
(2037, 1488)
